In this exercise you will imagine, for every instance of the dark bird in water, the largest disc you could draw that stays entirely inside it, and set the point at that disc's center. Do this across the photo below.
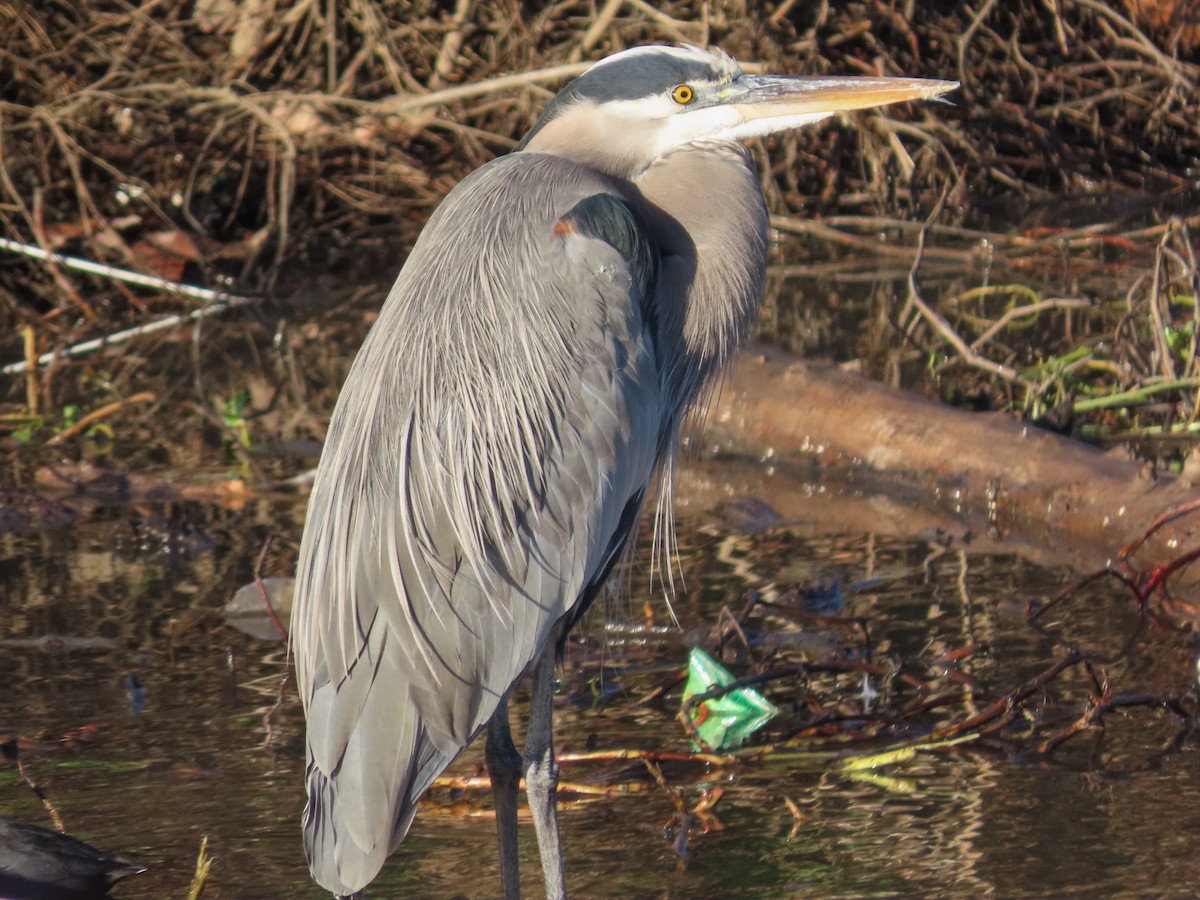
(40, 864)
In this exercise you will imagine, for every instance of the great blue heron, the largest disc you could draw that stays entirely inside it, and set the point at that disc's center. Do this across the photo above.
(491, 449)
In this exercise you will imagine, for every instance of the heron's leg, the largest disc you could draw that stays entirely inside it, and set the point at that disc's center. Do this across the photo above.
(541, 775)
(504, 767)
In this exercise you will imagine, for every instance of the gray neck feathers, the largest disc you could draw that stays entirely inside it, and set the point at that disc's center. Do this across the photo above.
(704, 203)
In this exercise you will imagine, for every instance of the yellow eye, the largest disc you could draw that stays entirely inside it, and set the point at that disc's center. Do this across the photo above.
(683, 94)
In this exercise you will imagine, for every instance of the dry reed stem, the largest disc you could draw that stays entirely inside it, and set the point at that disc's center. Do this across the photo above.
(97, 414)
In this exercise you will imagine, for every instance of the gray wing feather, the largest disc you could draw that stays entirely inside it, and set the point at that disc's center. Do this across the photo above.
(496, 423)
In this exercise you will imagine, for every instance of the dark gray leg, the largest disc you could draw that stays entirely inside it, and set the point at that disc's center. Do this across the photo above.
(541, 776)
(504, 767)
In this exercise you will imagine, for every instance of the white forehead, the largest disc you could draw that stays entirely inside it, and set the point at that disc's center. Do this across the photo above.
(688, 57)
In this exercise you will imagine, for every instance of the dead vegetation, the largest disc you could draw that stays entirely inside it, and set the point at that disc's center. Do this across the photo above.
(241, 134)
(250, 145)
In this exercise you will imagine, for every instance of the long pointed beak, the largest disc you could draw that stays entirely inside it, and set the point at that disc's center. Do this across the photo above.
(773, 102)
(829, 94)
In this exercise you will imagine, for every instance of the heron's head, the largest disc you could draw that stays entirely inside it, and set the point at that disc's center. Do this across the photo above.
(633, 107)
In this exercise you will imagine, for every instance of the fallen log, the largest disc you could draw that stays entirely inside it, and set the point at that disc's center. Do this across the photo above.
(828, 447)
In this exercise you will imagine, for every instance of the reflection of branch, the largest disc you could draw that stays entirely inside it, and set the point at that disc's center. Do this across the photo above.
(262, 588)
(1001, 712)
(1103, 700)
(1037, 612)
(1140, 595)
(711, 759)
(1093, 713)
(268, 727)
(484, 782)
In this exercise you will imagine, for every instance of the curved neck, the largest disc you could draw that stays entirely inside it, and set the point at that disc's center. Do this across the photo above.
(704, 207)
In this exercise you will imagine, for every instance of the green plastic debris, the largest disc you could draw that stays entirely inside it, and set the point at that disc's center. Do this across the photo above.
(728, 720)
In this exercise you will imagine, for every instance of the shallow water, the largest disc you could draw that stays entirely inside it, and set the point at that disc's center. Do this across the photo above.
(1111, 814)
(105, 588)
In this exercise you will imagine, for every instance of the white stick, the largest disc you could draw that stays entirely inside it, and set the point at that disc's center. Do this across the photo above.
(215, 302)
(122, 337)
(95, 268)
